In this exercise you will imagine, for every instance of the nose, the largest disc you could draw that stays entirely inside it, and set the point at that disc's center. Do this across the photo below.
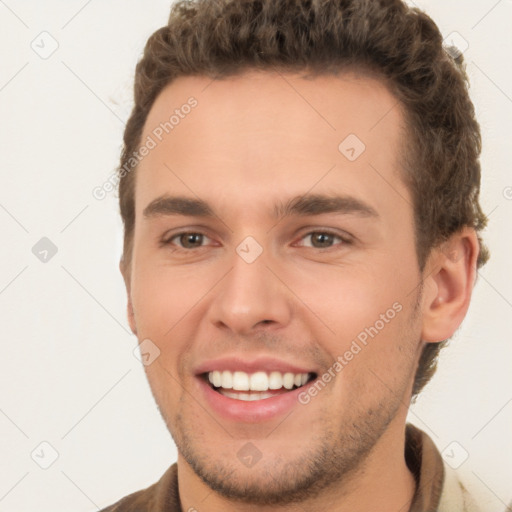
(250, 296)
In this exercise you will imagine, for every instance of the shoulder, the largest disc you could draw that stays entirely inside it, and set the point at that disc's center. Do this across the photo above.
(454, 495)
(459, 494)
(162, 495)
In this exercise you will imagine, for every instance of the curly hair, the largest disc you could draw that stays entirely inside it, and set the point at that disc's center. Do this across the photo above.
(387, 39)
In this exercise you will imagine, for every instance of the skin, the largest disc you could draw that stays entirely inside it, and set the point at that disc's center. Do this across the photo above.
(253, 141)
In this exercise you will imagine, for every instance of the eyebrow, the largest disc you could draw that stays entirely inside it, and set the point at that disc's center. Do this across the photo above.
(308, 204)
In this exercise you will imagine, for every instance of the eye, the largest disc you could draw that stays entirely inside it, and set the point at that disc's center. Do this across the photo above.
(323, 239)
(187, 240)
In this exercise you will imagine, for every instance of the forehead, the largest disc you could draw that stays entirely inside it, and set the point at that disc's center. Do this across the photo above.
(271, 131)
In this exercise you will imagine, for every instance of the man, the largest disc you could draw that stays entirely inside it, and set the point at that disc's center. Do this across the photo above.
(299, 190)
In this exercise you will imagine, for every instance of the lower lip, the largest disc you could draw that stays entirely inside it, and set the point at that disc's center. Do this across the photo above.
(254, 411)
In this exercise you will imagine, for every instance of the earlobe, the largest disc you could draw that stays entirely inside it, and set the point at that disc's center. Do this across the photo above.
(450, 279)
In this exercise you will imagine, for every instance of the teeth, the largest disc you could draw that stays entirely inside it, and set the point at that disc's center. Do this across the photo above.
(288, 380)
(227, 380)
(246, 397)
(217, 379)
(240, 381)
(259, 381)
(275, 381)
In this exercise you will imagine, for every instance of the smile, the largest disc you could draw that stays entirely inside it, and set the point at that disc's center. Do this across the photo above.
(260, 385)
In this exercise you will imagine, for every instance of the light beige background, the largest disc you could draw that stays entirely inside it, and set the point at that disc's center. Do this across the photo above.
(68, 373)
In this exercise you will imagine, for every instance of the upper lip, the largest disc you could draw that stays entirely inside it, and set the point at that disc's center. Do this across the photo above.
(256, 364)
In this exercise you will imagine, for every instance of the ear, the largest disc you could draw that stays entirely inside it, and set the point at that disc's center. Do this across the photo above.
(125, 272)
(449, 277)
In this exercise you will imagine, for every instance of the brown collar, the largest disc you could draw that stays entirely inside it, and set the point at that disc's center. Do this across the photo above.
(425, 462)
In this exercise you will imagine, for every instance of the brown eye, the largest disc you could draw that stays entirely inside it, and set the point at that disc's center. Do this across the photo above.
(322, 239)
(190, 240)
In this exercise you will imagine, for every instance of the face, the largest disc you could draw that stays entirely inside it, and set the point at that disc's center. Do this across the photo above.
(274, 268)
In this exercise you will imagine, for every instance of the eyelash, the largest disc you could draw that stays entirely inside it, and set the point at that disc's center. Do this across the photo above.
(344, 240)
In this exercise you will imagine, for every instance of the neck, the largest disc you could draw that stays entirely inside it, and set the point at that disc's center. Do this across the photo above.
(383, 482)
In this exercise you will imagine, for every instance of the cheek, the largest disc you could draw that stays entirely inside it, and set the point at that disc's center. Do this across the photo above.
(383, 356)
(164, 297)
(347, 298)
(366, 320)
(169, 304)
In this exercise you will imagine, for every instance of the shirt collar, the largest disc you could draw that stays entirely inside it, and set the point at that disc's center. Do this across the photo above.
(426, 464)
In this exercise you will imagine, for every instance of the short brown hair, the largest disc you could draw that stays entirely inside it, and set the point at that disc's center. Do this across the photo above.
(384, 38)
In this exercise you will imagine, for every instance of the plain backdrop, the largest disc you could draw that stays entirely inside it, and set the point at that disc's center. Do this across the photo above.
(69, 378)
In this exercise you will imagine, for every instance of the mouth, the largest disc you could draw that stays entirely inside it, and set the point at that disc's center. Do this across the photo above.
(259, 385)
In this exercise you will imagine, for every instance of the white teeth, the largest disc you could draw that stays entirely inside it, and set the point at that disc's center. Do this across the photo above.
(240, 381)
(258, 381)
(227, 380)
(275, 380)
(288, 380)
(217, 379)
(246, 397)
